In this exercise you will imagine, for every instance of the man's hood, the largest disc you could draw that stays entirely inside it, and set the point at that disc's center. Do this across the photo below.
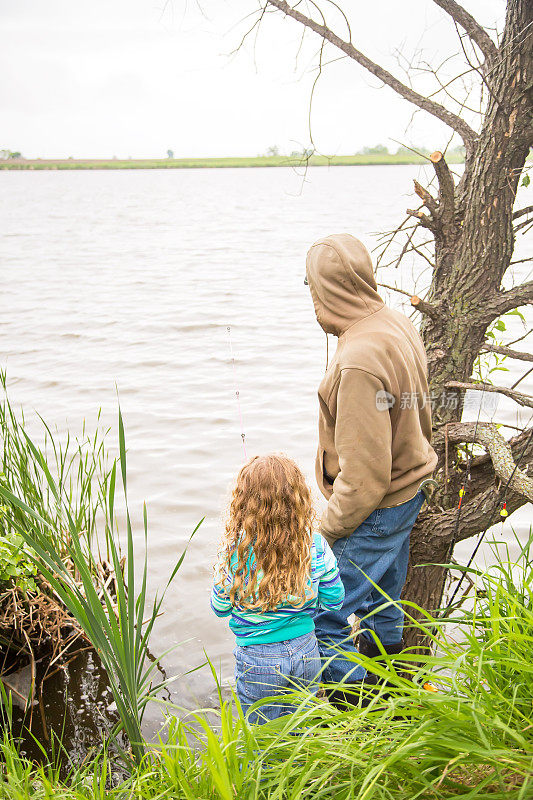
(341, 278)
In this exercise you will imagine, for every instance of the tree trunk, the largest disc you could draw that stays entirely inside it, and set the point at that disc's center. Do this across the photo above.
(471, 223)
(474, 243)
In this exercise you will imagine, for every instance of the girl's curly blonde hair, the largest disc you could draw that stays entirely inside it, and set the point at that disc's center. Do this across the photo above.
(271, 517)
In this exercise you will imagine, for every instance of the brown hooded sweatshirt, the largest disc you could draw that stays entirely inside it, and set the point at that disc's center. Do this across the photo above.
(375, 416)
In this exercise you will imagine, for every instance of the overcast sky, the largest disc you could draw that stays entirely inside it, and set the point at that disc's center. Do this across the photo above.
(136, 77)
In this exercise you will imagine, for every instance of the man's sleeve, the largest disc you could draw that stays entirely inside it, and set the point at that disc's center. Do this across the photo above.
(363, 441)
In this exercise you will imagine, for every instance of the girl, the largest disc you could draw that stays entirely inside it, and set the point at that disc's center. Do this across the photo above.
(272, 575)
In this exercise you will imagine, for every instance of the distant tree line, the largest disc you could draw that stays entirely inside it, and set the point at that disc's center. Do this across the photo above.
(377, 149)
(382, 149)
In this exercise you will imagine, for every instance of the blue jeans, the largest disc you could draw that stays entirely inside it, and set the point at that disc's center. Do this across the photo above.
(264, 670)
(377, 550)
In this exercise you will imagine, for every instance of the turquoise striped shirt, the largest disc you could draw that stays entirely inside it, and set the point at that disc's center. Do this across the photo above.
(324, 590)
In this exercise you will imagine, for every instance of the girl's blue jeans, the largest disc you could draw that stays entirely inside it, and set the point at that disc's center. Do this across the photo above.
(266, 670)
(372, 563)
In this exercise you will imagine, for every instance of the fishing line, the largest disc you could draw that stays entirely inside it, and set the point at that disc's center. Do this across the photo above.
(462, 492)
(237, 393)
(502, 496)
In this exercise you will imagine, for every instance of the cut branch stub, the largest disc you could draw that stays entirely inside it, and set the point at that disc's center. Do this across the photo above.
(424, 307)
(424, 220)
(446, 192)
(428, 200)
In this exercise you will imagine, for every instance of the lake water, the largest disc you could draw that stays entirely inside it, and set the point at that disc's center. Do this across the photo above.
(129, 280)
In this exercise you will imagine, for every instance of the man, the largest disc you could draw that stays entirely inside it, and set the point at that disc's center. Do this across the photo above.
(374, 450)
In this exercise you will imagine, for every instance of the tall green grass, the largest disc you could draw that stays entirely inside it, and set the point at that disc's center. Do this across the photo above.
(81, 476)
(119, 627)
(471, 739)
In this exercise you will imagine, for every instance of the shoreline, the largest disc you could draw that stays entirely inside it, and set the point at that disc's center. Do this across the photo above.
(371, 159)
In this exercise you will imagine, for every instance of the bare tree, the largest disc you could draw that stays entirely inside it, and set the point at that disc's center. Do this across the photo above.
(469, 224)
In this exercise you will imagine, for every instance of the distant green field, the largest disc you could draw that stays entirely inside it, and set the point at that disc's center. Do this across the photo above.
(200, 163)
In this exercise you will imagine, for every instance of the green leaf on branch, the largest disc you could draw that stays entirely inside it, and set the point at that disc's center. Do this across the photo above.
(516, 313)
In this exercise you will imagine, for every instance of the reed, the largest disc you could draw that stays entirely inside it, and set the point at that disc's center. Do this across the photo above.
(118, 623)
(79, 466)
(33, 623)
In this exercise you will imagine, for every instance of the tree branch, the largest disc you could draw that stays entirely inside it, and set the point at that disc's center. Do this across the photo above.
(477, 515)
(423, 219)
(518, 397)
(522, 377)
(420, 305)
(475, 31)
(516, 443)
(395, 289)
(481, 506)
(452, 120)
(521, 211)
(506, 351)
(499, 450)
(501, 302)
(524, 224)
